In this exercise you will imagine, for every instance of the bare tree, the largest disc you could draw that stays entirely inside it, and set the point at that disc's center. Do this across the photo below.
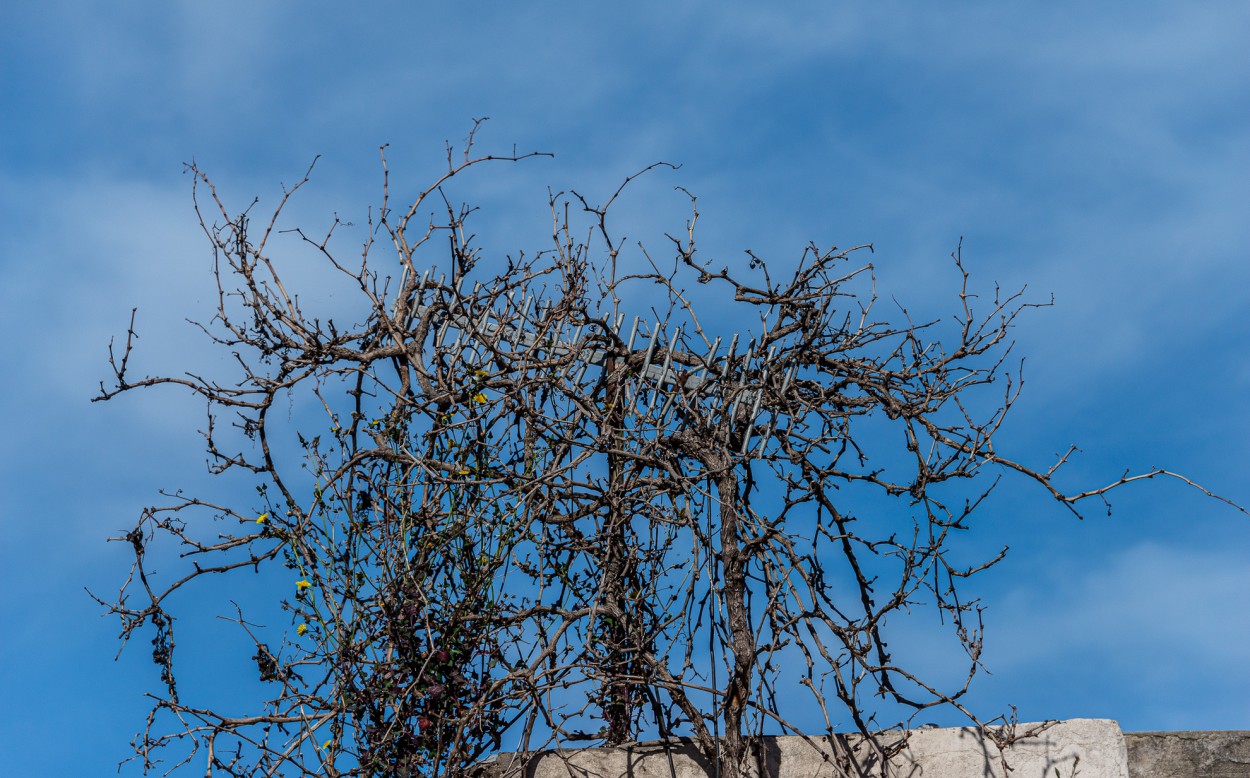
(528, 519)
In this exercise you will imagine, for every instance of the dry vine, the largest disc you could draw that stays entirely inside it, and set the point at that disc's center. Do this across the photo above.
(536, 521)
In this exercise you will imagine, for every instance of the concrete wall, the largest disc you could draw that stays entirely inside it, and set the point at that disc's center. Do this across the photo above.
(1188, 754)
(1077, 748)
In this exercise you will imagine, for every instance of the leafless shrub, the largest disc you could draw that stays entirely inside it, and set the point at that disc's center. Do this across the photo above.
(530, 519)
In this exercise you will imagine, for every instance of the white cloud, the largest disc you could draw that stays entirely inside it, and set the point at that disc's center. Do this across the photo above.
(1159, 610)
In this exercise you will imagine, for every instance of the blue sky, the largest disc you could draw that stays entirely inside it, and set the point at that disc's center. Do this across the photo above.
(1099, 152)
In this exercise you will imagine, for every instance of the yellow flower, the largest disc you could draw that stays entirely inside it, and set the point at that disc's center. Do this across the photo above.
(302, 585)
(261, 519)
(479, 398)
(301, 629)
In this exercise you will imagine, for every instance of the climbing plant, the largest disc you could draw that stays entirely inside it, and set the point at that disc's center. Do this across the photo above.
(524, 514)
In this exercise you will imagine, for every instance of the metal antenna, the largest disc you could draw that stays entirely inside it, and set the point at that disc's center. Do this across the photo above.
(633, 332)
(663, 375)
(734, 388)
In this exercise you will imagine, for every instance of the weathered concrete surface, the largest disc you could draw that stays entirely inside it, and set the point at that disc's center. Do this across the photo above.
(1086, 748)
(1188, 754)
(1080, 748)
